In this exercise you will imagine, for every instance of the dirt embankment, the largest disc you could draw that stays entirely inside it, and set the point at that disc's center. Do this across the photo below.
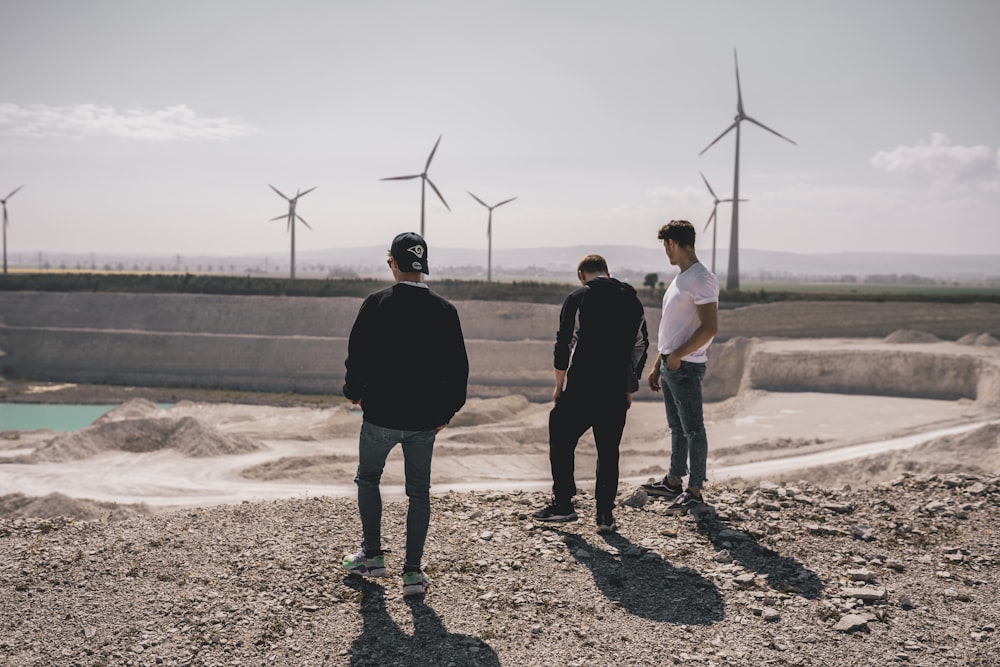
(289, 344)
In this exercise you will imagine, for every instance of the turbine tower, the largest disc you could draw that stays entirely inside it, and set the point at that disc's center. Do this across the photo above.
(5, 223)
(733, 275)
(489, 233)
(712, 219)
(292, 216)
(424, 180)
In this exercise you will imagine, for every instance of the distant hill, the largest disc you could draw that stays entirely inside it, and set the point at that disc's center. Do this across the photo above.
(635, 258)
(627, 261)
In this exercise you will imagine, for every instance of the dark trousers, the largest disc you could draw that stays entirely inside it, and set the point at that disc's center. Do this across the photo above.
(572, 415)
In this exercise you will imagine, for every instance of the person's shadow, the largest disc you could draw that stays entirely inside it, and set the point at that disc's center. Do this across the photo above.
(645, 584)
(783, 573)
(382, 642)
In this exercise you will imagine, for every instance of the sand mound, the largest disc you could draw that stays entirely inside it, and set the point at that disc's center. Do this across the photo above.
(987, 340)
(479, 411)
(323, 468)
(186, 435)
(911, 336)
(16, 506)
(508, 438)
(137, 408)
(975, 453)
(344, 422)
(983, 339)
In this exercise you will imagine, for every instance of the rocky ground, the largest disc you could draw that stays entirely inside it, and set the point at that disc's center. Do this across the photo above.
(899, 573)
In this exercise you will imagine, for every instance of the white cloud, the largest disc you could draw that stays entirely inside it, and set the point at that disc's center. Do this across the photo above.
(944, 163)
(90, 120)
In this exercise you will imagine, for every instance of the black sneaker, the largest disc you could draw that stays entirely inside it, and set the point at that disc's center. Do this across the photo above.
(606, 523)
(555, 513)
(663, 489)
(685, 502)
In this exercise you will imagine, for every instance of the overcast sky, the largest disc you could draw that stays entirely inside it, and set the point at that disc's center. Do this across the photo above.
(155, 127)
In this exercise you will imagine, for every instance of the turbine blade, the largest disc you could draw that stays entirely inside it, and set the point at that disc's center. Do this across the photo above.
(278, 191)
(431, 156)
(717, 138)
(283, 216)
(739, 93)
(710, 218)
(709, 188)
(303, 194)
(437, 192)
(400, 178)
(302, 220)
(478, 199)
(505, 201)
(13, 193)
(759, 124)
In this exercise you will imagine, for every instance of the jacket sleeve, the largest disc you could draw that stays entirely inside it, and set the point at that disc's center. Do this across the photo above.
(639, 351)
(457, 369)
(359, 352)
(566, 335)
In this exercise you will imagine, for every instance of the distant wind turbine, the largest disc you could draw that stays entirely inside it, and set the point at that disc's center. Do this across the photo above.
(712, 220)
(733, 276)
(292, 216)
(5, 223)
(424, 180)
(489, 233)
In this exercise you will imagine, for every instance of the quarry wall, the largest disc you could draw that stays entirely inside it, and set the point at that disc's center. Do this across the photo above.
(298, 344)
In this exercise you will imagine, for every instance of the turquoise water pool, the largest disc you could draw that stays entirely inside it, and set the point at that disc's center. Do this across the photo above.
(58, 417)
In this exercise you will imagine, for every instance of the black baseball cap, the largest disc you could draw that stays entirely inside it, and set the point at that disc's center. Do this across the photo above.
(410, 252)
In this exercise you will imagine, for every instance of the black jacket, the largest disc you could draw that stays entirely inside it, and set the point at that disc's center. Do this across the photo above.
(406, 359)
(602, 338)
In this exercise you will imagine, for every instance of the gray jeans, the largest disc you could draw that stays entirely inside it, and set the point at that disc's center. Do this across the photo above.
(682, 398)
(373, 449)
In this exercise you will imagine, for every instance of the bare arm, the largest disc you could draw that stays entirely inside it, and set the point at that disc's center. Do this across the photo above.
(560, 381)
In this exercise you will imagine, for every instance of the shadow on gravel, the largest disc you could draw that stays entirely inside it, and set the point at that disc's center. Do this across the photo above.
(783, 573)
(382, 642)
(645, 584)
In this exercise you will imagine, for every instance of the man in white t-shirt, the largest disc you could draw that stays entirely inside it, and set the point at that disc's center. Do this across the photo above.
(688, 324)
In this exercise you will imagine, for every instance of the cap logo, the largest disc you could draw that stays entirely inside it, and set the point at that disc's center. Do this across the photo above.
(417, 250)
(417, 266)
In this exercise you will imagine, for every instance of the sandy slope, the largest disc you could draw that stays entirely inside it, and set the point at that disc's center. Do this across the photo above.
(492, 444)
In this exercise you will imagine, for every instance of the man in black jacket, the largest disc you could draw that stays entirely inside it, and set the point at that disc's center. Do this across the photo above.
(407, 368)
(599, 355)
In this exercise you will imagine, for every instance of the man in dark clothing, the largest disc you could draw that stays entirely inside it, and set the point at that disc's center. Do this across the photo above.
(407, 368)
(599, 355)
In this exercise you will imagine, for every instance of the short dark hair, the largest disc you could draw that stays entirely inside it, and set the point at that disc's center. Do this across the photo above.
(681, 231)
(592, 264)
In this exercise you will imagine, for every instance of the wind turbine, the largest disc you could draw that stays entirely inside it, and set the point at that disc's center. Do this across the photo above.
(489, 233)
(733, 275)
(424, 180)
(712, 218)
(291, 216)
(5, 223)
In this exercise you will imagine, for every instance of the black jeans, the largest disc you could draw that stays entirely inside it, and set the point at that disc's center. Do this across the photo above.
(572, 415)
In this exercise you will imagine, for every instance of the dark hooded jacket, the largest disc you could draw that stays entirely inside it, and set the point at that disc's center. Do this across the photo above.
(602, 338)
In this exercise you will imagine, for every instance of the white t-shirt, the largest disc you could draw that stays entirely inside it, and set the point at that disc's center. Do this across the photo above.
(692, 287)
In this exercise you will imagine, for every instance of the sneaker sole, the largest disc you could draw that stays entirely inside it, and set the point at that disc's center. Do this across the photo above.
(557, 519)
(415, 589)
(365, 572)
(605, 530)
(660, 493)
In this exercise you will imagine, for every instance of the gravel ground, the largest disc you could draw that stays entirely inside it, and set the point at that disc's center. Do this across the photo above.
(900, 573)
